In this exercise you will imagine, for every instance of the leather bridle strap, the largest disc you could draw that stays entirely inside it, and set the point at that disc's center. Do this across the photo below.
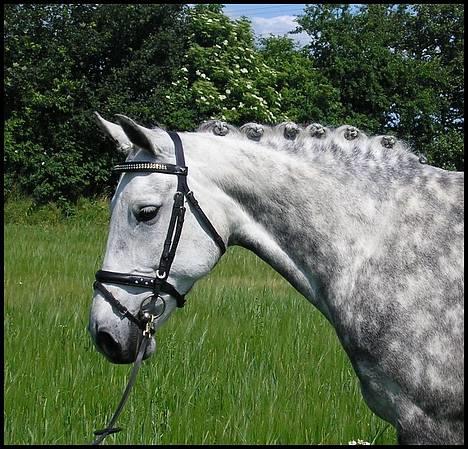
(119, 306)
(183, 187)
(219, 241)
(112, 277)
(152, 167)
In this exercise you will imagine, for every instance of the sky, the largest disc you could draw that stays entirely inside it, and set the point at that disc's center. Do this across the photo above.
(269, 18)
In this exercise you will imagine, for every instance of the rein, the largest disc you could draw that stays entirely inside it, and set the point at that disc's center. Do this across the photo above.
(144, 320)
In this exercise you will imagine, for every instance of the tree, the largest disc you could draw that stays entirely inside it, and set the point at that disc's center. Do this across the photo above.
(226, 76)
(62, 62)
(384, 68)
(223, 76)
(306, 94)
(397, 68)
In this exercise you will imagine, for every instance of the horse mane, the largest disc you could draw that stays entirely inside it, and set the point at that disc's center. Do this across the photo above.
(344, 142)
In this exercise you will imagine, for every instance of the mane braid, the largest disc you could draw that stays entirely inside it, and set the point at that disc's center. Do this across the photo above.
(345, 142)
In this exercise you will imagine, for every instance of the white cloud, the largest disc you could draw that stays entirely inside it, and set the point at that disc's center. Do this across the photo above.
(279, 25)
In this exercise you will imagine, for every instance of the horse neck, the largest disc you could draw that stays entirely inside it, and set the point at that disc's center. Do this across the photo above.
(309, 221)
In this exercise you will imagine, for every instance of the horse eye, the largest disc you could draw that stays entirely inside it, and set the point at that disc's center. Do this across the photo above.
(147, 213)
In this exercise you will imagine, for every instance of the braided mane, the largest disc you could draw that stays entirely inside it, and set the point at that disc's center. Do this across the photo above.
(344, 142)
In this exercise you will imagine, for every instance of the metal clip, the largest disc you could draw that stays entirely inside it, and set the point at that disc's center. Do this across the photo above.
(149, 330)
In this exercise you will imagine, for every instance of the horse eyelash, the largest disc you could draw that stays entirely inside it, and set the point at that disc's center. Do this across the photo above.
(147, 213)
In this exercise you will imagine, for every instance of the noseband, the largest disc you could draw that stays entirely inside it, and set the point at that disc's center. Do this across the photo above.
(159, 283)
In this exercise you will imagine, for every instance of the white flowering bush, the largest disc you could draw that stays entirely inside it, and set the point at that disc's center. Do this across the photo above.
(224, 77)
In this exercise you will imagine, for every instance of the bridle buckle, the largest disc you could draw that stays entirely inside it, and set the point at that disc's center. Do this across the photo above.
(162, 275)
(149, 329)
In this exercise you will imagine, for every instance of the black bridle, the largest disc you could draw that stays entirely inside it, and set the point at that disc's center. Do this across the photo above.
(158, 284)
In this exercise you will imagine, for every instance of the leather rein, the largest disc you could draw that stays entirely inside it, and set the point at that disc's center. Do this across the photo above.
(144, 319)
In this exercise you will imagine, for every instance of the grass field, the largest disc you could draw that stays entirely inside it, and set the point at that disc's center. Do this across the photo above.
(247, 361)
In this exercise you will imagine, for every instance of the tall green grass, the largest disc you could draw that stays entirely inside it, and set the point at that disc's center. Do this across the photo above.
(247, 361)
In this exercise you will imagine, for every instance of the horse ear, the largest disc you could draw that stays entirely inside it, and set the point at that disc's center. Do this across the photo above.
(115, 132)
(140, 136)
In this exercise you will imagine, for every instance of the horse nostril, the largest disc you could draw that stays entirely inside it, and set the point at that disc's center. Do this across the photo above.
(109, 346)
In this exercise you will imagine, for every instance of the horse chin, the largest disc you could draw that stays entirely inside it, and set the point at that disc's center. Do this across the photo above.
(150, 349)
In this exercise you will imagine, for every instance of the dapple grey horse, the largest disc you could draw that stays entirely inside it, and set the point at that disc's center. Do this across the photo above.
(363, 228)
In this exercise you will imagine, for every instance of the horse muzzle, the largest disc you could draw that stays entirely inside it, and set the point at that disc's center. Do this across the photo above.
(118, 349)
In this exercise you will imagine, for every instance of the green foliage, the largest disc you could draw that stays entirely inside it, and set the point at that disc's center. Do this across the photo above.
(447, 150)
(62, 63)
(383, 68)
(305, 94)
(223, 76)
(23, 210)
(398, 68)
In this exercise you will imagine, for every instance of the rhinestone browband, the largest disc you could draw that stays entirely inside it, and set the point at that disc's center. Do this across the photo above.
(155, 167)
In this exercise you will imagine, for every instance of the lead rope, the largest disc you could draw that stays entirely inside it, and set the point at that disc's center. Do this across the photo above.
(110, 429)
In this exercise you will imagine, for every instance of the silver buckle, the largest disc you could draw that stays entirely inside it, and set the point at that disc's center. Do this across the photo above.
(149, 330)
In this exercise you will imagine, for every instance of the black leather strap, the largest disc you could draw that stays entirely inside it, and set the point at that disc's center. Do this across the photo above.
(184, 188)
(214, 234)
(179, 149)
(120, 307)
(173, 236)
(146, 282)
(126, 279)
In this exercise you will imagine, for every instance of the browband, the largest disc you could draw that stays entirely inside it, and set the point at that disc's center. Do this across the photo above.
(154, 167)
